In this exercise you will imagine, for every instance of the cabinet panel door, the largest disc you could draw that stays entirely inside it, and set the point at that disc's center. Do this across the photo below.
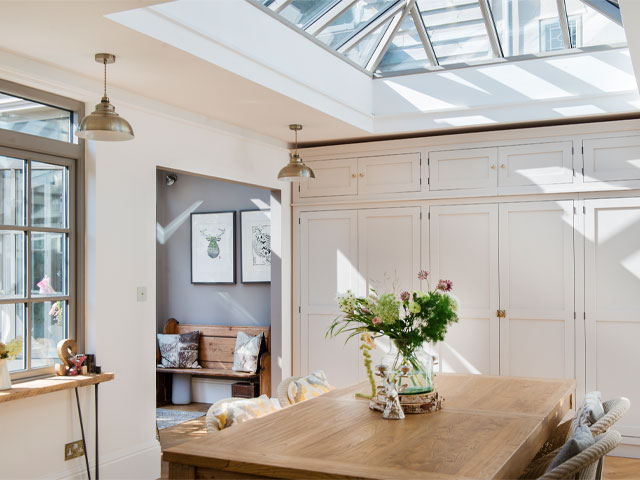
(464, 249)
(537, 289)
(328, 267)
(388, 256)
(389, 174)
(612, 303)
(535, 164)
(333, 177)
(458, 169)
(612, 158)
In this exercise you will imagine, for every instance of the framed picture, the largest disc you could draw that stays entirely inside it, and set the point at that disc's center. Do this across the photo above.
(213, 255)
(255, 250)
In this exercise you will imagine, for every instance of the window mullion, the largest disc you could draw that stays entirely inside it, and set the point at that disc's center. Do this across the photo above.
(28, 260)
(564, 23)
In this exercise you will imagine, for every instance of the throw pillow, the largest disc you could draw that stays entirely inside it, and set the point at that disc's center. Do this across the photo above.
(179, 350)
(246, 353)
(311, 386)
(579, 441)
(590, 411)
(231, 413)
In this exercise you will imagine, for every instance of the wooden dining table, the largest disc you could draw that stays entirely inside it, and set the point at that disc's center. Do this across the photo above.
(489, 427)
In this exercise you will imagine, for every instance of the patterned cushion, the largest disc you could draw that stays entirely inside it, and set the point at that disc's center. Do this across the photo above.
(308, 387)
(590, 411)
(179, 351)
(228, 414)
(579, 441)
(245, 355)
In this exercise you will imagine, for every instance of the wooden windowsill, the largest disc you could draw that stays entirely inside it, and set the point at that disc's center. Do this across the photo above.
(42, 386)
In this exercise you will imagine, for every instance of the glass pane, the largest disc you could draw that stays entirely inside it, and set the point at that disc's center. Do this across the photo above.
(12, 246)
(352, 21)
(48, 326)
(25, 116)
(48, 195)
(301, 12)
(12, 191)
(527, 26)
(12, 326)
(456, 29)
(406, 51)
(593, 28)
(362, 52)
(49, 263)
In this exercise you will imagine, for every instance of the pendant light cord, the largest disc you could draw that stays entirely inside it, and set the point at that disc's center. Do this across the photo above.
(105, 77)
(296, 133)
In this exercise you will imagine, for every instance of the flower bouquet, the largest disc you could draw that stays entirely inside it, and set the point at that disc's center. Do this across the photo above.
(9, 351)
(409, 319)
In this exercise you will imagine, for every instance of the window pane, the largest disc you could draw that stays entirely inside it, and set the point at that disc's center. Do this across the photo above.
(12, 191)
(48, 326)
(527, 26)
(25, 116)
(592, 27)
(456, 29)
(361, 53)
(301, 12)
(351, 21)
(49, 263)
(12, 326)
(406, 51)
(48, 195)
(12, 276)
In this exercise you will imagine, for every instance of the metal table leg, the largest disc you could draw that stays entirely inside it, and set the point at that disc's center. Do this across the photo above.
(84, 443)
(97, 454)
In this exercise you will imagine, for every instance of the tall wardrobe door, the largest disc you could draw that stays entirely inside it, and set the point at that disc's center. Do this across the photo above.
(388, 256)
(612, 304)
(464, 249)
(537, 289)
(328, 267)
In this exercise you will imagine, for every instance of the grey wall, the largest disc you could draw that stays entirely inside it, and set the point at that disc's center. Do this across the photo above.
(177, 297)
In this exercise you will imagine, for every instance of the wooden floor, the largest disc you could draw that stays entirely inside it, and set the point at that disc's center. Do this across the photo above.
(615, 468)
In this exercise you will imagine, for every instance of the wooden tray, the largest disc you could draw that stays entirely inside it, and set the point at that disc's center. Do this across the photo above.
(424, 403)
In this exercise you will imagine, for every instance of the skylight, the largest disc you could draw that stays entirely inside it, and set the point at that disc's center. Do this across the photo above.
(389, 37)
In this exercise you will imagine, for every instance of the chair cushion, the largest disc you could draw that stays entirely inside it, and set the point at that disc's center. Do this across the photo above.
(179, 350)
(308, 387)
(246, 352)
(229, 414)
(590, 411)
(579, 441)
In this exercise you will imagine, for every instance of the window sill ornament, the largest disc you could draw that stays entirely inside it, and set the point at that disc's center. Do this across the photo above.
(295, 170)
(104, 124)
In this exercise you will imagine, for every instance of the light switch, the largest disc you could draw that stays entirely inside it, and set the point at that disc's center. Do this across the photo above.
(142, 294)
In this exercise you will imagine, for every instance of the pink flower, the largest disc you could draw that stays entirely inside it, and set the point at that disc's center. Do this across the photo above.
(55, 310)
(445, 285)
(45, 286)
(423, 274)
(376, 321)
(405, 296)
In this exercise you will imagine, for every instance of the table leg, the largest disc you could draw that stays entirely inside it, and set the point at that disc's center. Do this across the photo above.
(84, 442)
(97, 454)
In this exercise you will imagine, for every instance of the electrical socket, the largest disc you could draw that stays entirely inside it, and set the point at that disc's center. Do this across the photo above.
(73, 450)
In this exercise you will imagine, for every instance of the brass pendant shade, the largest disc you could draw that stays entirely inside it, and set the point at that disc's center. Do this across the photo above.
(295, 170)
(104, 124)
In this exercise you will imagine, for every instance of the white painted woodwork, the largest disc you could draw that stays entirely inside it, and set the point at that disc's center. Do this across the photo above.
(328, 267)
(537, 289)
(612, 303)
(535, 164)
(333, 177)
(461, 169)
(389, 174)
(464, 249)
(388, 256)
(611, 158)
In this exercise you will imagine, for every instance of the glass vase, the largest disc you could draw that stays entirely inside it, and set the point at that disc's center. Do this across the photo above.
(419, 363)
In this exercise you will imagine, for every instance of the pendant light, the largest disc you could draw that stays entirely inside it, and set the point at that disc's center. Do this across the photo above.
(295, 170)
(104, 123)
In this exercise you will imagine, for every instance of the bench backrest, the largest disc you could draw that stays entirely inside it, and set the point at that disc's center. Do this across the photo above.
(217, 342)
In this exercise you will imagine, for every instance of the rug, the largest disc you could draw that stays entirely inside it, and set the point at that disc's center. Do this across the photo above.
(168, 418)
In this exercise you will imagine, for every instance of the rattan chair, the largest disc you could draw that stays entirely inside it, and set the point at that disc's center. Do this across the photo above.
(211, 425)
(283, 390)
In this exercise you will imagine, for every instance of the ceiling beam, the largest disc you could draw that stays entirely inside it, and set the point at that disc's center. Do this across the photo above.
(424, 35)
(490, 25)
(329, 16)
(385, 43)
(279, 5)
(606, 8)
(564, 23)
(371, 27)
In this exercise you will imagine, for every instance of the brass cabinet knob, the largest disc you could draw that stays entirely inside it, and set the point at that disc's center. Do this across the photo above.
(353, 175)
(493, 166)
(361, 175)
(502, 165)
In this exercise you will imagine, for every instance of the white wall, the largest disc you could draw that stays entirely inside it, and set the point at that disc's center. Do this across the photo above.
(121, 242)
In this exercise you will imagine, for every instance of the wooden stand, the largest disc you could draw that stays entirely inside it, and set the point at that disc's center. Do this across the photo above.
(424, 403)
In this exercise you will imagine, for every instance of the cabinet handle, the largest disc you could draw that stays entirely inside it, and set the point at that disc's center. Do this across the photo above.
(501, 314)
(493, 167)
(502, 165)
(361, 175)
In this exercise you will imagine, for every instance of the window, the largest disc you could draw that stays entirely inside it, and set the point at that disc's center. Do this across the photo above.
(38, 235)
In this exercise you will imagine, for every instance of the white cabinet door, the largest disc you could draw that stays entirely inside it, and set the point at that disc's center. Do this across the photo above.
(458, 169)
(537, 289)
(612, 303)
(464, 249)
(389, 174)
(389, 256)
(328, 267)
(535, 164)
(611, 158)
(333, 177)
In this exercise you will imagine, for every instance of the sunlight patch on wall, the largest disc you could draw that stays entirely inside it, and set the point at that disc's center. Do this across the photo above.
(578, 110)
(524, 82)
(420, 100)
(163, 234)
(465, 121)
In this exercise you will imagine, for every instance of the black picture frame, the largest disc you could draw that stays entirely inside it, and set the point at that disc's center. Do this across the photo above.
(243, 275)
(232, 273)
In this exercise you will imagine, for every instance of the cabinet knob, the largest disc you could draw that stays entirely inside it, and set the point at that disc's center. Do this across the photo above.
(501, 314)
(502, 165)
(361, 175)
(493, 166)
(353, 175)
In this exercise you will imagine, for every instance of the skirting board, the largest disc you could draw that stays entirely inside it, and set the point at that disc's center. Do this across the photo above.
(626, 450)
(209, 390)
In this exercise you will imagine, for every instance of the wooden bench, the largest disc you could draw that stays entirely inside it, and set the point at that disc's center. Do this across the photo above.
(217, 343)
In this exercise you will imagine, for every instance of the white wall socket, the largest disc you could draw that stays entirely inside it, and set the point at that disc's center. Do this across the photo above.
(142, 294)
